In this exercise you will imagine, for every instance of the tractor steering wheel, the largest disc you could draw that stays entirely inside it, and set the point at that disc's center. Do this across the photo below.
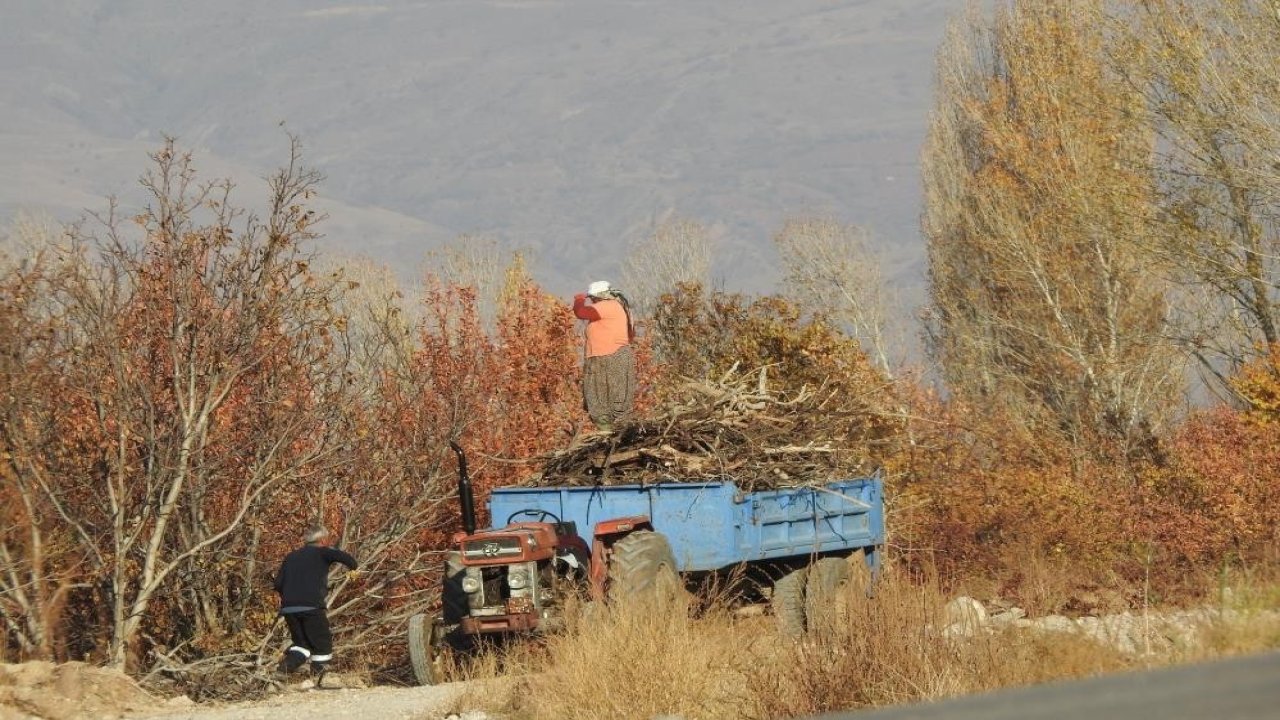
(540, 515)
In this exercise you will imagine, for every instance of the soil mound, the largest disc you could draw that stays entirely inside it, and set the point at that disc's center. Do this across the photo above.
(69, 691)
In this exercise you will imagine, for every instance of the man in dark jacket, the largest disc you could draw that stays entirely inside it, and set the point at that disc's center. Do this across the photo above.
(302, 584)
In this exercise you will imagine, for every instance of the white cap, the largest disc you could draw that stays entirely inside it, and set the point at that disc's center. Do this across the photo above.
(598, 288)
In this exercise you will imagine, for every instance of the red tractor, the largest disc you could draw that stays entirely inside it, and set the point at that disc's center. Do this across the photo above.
(517, 577)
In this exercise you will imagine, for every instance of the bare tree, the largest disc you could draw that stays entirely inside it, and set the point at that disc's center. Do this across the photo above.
(832, 267)
(476, 262)
(678, 252)
(28, 236)
(377, 315)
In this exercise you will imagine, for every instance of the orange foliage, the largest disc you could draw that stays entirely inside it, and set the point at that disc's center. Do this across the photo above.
(1227, 474)
(978, 495)
(701, 334)
(1258, 383)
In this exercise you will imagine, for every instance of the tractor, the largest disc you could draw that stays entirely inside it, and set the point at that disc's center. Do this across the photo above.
(807, 542)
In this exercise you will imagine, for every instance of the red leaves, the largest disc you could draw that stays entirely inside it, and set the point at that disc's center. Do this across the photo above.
(511, 393)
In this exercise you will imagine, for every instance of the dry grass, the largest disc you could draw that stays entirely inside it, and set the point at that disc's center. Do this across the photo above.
(643, 660)
(1254, 633)
(637, 660)
(1250, 621)
(890, 650)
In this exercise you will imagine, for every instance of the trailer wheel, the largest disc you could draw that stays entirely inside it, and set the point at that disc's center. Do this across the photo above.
(788, 602)
(827, 592)
(862, 581)
(642, 563)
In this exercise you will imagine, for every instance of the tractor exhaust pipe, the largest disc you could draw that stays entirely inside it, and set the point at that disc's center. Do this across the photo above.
(466, 498)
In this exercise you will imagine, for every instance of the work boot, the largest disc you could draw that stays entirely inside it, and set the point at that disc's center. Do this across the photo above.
(318, 669)
(291, 661)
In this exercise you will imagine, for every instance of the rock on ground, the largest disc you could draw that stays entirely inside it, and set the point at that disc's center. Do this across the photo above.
(965, 617)
(1129, 632)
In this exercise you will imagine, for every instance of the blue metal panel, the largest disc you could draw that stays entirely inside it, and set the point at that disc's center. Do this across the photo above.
(699, 520)
(585, 506)
(802, 521)
(715, 525)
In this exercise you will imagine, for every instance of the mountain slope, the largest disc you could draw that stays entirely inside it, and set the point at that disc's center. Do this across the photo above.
(568, 127)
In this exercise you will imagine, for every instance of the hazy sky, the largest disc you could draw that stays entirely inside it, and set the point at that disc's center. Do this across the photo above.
(565, 127)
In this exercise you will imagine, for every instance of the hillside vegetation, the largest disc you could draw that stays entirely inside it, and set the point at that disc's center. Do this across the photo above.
(185, 389)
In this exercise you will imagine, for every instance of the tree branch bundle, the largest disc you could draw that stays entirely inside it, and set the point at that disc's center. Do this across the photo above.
(731, 428)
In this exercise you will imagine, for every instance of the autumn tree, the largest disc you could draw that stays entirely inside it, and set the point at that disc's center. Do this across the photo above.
(1037, 209)
(511, 393)
(42, 565)
(1210, 75)
(700, 334)
(506, 391)
(199, 357)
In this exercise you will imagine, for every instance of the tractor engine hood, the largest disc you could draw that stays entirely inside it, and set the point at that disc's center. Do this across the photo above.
(521, 543)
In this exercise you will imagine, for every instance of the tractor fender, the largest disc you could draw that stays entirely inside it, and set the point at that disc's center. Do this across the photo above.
(605, 534)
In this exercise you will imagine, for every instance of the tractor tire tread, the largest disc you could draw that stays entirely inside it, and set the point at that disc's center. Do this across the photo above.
(829, 578)
(638, 561)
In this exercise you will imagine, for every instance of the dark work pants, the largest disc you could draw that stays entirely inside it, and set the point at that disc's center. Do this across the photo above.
(312, 641)
(609, 387)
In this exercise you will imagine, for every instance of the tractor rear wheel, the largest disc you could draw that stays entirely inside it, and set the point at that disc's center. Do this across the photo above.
(642, 564)
(827, 592)
(788, 602)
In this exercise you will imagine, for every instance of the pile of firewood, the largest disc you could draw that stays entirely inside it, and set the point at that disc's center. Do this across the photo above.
(731, 428)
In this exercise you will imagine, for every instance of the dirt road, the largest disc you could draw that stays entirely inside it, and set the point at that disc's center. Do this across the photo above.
(380, 703)
(1237, 689)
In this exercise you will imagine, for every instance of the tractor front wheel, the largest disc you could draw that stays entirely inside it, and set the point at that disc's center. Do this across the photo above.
(431, 642)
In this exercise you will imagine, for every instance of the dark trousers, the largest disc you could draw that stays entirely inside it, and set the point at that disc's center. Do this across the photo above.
(312, 640)
(609, 387)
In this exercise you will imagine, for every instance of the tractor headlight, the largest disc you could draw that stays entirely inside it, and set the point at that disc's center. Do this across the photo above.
(517, 579)
(470, 584)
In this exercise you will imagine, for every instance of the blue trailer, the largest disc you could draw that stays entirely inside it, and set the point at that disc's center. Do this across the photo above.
(715, 526)
(800, 548)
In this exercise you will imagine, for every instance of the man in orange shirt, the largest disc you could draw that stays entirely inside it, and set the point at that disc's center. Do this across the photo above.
(609, 373)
